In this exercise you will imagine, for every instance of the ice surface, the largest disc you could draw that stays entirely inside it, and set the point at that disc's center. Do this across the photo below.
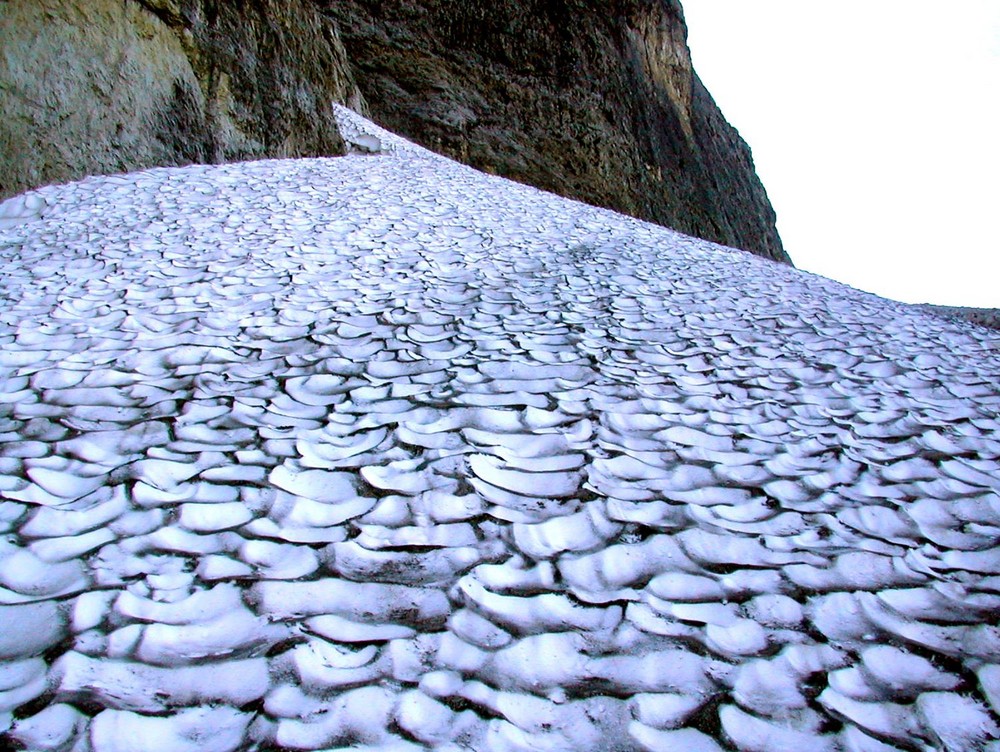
(956, 722)
(221, 729)
(380, 452)
(28, 577)
(126, 685)
(20, 209)
(689, 739)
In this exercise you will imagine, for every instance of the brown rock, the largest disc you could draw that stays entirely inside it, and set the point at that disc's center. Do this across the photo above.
(104, 86)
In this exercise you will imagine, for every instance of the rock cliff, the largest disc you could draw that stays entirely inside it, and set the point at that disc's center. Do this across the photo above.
(595, 101)
(107, 86)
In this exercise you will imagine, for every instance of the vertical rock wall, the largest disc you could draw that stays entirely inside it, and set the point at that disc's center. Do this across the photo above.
(99, 86)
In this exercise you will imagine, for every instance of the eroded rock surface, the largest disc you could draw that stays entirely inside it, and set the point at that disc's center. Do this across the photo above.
(382, 452)
(106, 86)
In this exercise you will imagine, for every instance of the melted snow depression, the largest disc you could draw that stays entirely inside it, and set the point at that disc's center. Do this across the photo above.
(381, 452)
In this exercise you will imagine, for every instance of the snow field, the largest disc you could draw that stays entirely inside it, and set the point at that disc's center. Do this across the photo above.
(380, 452)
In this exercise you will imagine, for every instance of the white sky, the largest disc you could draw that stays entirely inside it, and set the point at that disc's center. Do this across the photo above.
(875, 127)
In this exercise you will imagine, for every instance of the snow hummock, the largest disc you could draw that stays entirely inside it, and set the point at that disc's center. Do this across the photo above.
(380, 452)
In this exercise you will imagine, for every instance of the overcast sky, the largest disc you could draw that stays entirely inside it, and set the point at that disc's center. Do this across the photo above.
(875, 127)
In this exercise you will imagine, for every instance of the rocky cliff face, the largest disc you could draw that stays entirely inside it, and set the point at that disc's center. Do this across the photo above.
(989, 317)
(106, 86)
(596, 101)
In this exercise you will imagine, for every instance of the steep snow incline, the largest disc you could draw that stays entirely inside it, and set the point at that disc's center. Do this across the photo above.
(380, 451)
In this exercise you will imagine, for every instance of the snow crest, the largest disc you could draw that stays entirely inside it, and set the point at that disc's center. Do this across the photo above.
(385, 453)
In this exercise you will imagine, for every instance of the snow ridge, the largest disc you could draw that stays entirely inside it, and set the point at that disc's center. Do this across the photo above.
(385, 453)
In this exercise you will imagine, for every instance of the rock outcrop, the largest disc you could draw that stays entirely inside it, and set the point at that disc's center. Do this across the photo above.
(593, 100)
(107, 86)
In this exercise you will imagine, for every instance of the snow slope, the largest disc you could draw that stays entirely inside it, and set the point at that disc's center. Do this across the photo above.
(382, 452)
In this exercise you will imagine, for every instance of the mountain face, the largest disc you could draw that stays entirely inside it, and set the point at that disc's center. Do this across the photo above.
(382, 452)
(593, 100)
(105, 86)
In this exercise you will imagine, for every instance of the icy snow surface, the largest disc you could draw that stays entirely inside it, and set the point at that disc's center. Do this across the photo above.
(382, 452)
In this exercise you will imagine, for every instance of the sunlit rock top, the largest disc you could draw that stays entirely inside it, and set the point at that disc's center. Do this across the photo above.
(382, 452)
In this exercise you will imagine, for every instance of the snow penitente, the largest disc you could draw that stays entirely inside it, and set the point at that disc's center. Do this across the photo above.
(381, 452)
